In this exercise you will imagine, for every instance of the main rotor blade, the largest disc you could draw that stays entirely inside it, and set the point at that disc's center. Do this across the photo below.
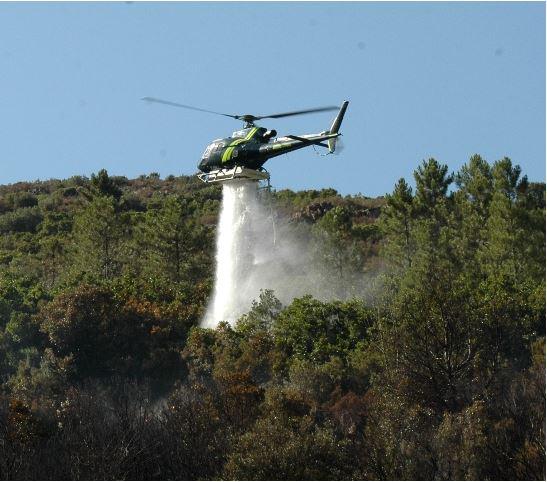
(175, 104)
(297, 112)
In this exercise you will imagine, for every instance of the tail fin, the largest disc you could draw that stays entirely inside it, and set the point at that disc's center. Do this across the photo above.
(336, 126)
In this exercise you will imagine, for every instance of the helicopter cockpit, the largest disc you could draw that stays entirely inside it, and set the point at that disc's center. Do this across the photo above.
(215, 145)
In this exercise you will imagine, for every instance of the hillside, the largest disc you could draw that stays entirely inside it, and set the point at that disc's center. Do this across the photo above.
(435, 371)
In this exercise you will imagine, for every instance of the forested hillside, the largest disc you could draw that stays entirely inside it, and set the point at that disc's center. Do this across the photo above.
(437, 371)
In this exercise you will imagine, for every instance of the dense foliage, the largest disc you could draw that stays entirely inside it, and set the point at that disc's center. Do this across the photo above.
(436, 372)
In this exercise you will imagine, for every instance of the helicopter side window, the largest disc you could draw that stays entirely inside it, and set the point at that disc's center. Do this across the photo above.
(242, 133)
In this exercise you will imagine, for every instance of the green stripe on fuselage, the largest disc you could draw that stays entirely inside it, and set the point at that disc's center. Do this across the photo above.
(227, 154)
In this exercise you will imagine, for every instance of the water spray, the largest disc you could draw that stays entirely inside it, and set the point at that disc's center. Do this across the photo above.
(234, 251)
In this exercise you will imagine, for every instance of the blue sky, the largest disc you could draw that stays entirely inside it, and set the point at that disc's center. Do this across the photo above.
(443, 80)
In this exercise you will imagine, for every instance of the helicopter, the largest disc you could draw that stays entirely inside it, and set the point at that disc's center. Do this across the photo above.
(243, 155)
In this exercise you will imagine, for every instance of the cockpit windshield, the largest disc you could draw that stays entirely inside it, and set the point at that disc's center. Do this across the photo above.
(208, 151)
(219, 144)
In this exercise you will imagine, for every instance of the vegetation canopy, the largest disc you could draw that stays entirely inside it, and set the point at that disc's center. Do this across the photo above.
(435, 371)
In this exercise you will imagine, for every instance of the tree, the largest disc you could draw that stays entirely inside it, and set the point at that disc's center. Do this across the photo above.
(108, 336)
(90, 325)
(432, 182)
(104, 185)
(97, 235)
(515, 233)
(22, 220)
(310, 329)
(396, 223)
(262, 314)
(176, 241)
(279, 449)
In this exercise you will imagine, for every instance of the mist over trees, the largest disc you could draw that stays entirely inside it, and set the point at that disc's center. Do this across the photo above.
(435, 371)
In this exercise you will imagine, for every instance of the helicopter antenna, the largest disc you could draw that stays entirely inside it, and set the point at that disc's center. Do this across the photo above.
(249, 119)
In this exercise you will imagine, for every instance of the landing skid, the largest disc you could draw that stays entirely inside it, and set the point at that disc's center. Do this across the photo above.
(238, 172)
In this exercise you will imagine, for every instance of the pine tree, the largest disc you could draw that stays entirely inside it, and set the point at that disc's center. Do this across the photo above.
(396, 224)
(104, 185)
(174, 239)
(472, 203)
(97, 235)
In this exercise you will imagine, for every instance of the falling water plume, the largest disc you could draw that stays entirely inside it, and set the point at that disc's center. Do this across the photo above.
(234, 256)
(254, 253)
